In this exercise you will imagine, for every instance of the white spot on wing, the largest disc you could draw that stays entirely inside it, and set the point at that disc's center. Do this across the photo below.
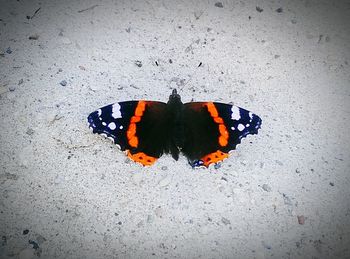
(235, 115)
(112, 126)
(116, 111)
(251, 116)
(240, 127)
(121, 127)
(99, 112)
(233, 128)
(247, 125)
(104, 124)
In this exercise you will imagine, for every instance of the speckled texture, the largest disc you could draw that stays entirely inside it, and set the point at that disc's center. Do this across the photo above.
(66, 193)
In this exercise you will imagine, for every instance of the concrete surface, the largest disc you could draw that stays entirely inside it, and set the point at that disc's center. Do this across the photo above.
(66, 193)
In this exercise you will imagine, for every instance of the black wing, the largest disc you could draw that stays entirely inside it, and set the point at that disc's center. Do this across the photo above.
(136, 126)
(213, 129)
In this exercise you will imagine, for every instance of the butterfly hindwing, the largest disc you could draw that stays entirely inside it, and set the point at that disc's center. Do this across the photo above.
(214, 129)
(132, 126)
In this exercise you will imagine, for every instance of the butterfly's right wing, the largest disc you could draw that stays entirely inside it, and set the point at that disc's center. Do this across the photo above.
(213, 129)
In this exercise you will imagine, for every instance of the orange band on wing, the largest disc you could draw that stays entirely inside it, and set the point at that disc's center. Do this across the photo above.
(223, 138)
(142, 158)
(214, 158)
(131, 132)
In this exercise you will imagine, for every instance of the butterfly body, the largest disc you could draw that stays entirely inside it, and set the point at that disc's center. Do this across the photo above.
(204, 132)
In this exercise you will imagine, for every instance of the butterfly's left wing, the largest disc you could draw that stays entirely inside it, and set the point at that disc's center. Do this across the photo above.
(135, 126)
(213, 129)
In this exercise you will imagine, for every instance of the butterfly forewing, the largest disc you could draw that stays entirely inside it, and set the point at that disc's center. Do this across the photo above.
(136, 126)
(112, 121)
(239, 123)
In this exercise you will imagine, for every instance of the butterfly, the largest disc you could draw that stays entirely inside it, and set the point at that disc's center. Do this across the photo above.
(205, 132)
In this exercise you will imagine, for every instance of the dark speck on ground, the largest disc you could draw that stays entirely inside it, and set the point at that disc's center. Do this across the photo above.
(35, 244)
(219, 4)
(63, 83)
(259, 9)
(138, 63)
(279, 10)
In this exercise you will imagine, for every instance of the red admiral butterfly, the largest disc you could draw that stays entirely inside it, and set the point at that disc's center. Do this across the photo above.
(204, 132)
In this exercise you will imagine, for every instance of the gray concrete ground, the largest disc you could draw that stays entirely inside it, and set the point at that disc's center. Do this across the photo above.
(66, 193)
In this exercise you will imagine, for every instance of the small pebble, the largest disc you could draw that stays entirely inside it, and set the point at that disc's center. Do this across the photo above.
(331, 183)
(12, 88)
(20, 81)
(301, 220)
(30, 131)
(170, 61)
(266, 245)
(224, 179)
(63, 83)
(35, 244)
(138, 63)
(217, 166)
(225, 221)
(164, 168)
(25, 232)
(219, 4)
(34, 37)
(259, 9)
(8, 50)
(266, 187)
(279, 10)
